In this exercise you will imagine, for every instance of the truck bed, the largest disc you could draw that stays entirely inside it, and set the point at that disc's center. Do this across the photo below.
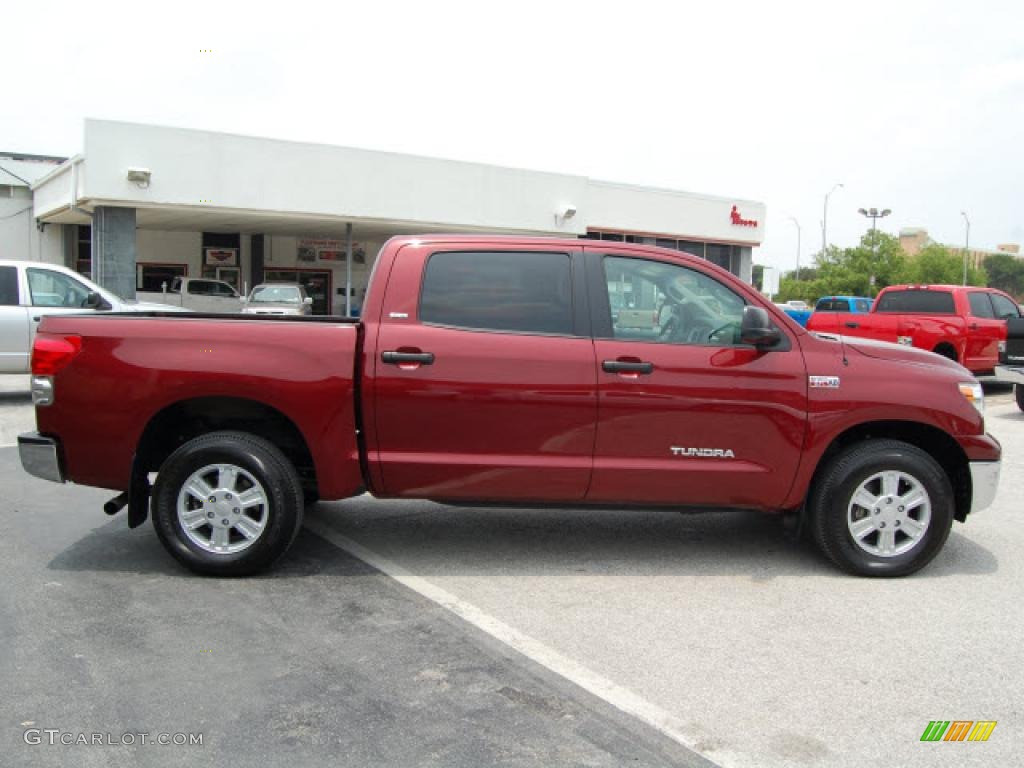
(138, 374)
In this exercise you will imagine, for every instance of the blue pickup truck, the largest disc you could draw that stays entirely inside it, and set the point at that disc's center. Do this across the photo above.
(800, 312)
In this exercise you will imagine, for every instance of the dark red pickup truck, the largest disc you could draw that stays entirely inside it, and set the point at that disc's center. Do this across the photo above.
(963, 323)
(512, 371)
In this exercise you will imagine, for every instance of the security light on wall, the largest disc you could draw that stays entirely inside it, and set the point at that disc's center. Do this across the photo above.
(140, 176)
(564, 212)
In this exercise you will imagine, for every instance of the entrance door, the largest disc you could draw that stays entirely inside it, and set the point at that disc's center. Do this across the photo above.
(483, 385)
(686, 413)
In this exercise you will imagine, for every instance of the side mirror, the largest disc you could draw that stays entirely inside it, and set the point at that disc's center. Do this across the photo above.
(95, 301)
(308, 300)
(756, 328)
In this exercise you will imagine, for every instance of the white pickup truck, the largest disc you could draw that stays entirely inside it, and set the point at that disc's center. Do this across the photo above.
(31, 290)
(199, 294)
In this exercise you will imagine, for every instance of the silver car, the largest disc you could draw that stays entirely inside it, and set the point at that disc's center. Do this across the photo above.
(278, 299)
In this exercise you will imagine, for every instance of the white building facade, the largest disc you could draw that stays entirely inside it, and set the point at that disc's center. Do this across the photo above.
(141, 204)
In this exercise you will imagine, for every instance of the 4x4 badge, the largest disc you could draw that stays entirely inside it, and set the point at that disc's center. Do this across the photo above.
(823, 382)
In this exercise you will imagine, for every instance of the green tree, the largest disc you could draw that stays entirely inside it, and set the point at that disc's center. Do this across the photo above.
(1006, 272)
(937, 265)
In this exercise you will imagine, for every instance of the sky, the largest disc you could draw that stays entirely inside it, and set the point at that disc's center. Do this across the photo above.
(913, 106)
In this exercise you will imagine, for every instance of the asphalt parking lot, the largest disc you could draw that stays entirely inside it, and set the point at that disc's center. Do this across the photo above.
(416, 634)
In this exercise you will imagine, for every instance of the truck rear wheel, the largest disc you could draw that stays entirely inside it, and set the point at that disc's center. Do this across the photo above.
(1018, 390)
(227, 504)
(881, 508)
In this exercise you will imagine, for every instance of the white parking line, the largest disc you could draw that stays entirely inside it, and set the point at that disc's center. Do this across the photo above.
(619, 697)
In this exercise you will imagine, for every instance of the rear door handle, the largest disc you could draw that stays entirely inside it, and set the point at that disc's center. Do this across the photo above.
(851, 324)
(621, 366)
(398, 358)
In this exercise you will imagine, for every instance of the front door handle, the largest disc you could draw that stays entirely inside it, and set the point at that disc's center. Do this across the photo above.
(399, 358)
(974, 326)
(851, 324)
(622, 366)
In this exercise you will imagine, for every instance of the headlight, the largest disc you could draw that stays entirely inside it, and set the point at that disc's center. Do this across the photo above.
(974, 394)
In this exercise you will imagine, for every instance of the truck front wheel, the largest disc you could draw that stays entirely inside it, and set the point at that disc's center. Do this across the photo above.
(881, 508)
(1018, 390)
(227, 504)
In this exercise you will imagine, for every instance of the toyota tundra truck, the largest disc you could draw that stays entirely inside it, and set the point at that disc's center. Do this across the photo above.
(963, 323)
(492, 371)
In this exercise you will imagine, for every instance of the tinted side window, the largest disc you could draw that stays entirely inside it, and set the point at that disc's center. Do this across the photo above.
(863, 305)
(936, 302)
(222, 289)
(8, 286)
(524, 292)
(670, 304)
(981, 305)
(1003, 306)
(200, 288)
(832, 305)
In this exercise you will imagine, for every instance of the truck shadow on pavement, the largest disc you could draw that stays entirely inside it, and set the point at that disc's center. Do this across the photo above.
(116, 549)
(435, 540)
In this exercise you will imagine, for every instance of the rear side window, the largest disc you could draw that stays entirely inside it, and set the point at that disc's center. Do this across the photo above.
(981, 306)
(832, 305)
(1005, 308)
(936, 302)
(520, 292)
(8, 286)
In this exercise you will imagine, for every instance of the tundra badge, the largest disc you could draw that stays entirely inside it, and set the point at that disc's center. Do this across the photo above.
(703, 453)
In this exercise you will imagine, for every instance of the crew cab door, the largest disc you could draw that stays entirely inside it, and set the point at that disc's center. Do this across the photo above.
(484, 383)
(984, 332)
(686, 414)
(15, 344)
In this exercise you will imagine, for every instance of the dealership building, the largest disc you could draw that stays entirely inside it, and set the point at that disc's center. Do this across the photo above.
(142, 204)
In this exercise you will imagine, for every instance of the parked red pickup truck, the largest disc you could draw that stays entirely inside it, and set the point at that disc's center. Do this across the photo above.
(491, 370)
(965, 324)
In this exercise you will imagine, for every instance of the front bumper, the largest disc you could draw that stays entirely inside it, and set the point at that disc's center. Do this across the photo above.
(1010, 374)
(40, 456)
(984, 483)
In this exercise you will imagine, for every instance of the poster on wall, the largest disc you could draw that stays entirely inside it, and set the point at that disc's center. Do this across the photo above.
(221, 257)
(311, 249)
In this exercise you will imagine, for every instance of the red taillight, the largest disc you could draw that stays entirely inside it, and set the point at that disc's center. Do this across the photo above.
(51, 353)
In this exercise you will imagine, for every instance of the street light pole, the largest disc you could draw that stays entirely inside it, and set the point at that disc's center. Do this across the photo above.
(874, 214)
(967, 242)
(793, 219)
(824, 221)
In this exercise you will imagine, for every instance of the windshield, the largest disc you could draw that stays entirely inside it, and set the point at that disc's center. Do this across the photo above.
(276, 294)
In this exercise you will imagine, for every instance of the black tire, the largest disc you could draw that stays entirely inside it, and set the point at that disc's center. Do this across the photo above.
(264, 462)
(1018, 390)
(947, 352)
(833, 491)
